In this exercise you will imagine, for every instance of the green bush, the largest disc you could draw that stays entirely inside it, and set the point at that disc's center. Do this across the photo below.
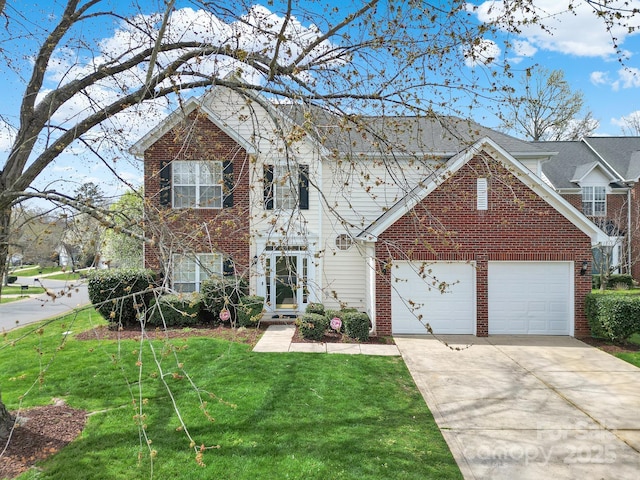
(615, 317)
(331, 314)
(250, 310)
(11, 279)
(313, 326)
(357, 325)
(616, 280)
(315, 308)
(219, 293)
(121, 296)
(175, 310)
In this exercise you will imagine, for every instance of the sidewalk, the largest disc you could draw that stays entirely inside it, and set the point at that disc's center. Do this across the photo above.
(278, 338)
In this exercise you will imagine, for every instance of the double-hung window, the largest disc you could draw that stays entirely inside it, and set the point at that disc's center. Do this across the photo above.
(189, 271)
(197, 184)
(594, 201)
(286, 187)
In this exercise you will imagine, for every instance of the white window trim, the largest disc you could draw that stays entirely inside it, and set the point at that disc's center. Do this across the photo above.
(199, 274)
(592, 202)
(286, 179)
(198, 185)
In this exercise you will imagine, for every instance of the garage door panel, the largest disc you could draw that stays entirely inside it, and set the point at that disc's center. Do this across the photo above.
(530, 297)
(414, 298)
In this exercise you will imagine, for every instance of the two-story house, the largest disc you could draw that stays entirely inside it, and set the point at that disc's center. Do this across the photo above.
(413, 220)
(599, 176)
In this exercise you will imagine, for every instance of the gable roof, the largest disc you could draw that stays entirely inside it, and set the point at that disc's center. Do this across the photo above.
(622, 153)
(617, 157)
(174, 118)
(419, 193)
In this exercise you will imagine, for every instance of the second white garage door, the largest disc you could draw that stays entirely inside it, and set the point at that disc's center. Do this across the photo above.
(453, 311)
(530, 298)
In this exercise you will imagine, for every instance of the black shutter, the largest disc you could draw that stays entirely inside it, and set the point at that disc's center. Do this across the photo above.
(268, 187)
(227, 188)
(165, 184)
(303, 186)
(228, 268)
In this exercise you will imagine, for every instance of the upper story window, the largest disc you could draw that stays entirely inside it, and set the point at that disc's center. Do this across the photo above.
(594, 201)
(196, 184)
(286, 187)
(189, 271)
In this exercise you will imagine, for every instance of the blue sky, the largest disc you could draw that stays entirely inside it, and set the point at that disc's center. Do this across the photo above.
(579, 45)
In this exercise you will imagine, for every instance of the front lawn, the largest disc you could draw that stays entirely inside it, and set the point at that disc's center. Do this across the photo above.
(272, 415)
(35, 271)
(16, 290)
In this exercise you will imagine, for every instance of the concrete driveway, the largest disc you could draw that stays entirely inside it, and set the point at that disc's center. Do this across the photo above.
(530, 407)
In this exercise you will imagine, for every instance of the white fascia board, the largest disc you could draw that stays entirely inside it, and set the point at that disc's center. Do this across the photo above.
(526, 176)
(178, 115)
(602, 159)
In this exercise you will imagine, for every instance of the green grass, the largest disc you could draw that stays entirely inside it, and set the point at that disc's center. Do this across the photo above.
(12, 299)
(65, 276)
(16, 290)
(289, 415)
(35, 271)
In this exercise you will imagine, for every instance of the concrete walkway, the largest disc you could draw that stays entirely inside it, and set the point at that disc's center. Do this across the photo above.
(530, 407)
(278, 338)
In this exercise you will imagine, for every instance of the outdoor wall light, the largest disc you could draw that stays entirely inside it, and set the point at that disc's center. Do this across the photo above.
(585, 266)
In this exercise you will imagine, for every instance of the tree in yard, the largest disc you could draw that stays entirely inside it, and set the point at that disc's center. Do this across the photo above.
(544, 107)
(84, 93)
(120, 249)
(630, 124)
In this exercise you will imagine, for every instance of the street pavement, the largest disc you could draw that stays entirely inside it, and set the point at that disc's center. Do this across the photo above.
(69, 295)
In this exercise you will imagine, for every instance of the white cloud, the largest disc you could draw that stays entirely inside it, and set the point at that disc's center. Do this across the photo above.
(484, 52)
(629, 124)
(628, 77)
(522, 48)
(600, 78)
(579, 32)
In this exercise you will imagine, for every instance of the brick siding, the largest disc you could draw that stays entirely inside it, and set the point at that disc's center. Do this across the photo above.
(518, 226)
(196, 230)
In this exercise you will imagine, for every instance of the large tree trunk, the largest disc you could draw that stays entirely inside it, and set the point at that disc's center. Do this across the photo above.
(6, 422)
(5, 228)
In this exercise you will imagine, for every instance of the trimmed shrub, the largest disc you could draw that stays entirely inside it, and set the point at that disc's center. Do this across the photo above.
(175, 310)
(357, 325)
(315, 308)
(331, 314)
(614, 317)
(121, 296)
(11, 279)
(250, 310)
(219, 293)
(313, 326)
(615, 281)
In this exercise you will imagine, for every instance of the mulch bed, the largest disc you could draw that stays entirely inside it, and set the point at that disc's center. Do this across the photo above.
(39, 433)
(611, 347)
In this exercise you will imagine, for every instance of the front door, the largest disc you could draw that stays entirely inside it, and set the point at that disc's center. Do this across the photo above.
(286, 276)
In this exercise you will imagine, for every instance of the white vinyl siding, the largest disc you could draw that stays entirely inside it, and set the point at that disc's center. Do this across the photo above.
(197, 184)
(189, 271)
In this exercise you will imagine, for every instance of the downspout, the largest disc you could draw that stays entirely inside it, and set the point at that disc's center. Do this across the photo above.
(630, 185)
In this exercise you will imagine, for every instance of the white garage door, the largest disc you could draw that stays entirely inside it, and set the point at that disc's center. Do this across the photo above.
(453, 311)
(530, 298)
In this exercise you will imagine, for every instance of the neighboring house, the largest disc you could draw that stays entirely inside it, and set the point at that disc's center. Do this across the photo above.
(414, 221)
(68, 255)
(599, 175)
